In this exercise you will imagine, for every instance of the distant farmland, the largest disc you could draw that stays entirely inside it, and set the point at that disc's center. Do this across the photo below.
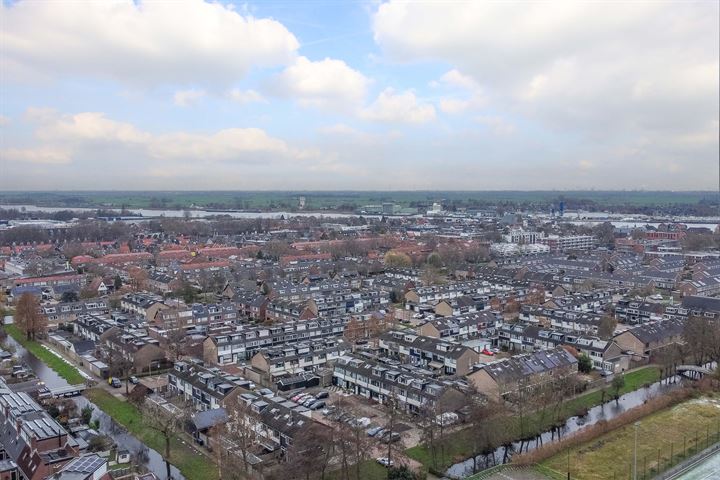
(350, 200)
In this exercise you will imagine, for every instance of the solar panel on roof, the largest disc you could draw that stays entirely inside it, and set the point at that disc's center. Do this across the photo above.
(86, 464)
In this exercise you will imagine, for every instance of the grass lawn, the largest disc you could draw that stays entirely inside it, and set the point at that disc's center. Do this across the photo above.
(633, 381)
(459, 445)
(62, 368)
(194, 466)
(611, 455)
(369, 470)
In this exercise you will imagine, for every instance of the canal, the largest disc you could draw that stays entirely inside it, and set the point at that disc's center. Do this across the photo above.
(606, 411)
(124, 440)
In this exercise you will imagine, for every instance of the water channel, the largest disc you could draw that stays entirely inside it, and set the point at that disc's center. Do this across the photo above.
(193, 213)
(606, 411)
(124, 440)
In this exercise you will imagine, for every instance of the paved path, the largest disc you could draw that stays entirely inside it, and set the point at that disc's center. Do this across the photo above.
(706, 470)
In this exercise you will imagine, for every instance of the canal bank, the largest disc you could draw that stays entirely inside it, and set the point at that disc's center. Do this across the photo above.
(145, 455)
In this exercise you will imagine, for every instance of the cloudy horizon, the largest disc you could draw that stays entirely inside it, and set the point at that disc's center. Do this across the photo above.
(324, 95)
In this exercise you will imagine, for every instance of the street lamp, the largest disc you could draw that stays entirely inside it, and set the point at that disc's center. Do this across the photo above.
(636, 424)
(568, 464)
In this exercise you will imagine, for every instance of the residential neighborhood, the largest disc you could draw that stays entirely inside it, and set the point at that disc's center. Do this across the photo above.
(308, 330)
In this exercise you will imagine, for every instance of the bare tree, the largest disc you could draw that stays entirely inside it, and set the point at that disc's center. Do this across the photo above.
(311, 451)
(166, 424)
(354, 331)
(606, 328)
(361, 446)
(519, 400)
(484, 439)
(175, 342)
(429, 428)
(121, 367)
(392, 407)
(431, 275)
(138, 278)
(240, 428)
(29, 318)
(702, 336)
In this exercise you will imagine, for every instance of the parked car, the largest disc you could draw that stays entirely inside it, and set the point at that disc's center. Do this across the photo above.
(309, 401)
(317, 405)
(134, 380)
(385, 462)
(114, 382)
(322, 394)
(373, 431)
(361, 422)
(490, 353)
(391, 438)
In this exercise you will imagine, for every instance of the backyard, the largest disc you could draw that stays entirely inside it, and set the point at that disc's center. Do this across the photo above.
(193, 465)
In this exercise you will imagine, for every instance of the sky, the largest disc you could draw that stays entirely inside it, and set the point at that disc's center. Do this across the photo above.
(359, 95)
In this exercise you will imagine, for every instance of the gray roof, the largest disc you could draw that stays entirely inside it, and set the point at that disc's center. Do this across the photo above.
(514, 369)
(653, 332)
(209, 418)
(701, 303)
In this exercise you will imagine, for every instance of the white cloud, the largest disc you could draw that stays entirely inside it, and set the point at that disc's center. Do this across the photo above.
(604, 69)
(344, 132)
(339, 129)
(86, 127)
(327, 83)
(471, 95)
(39, 155)
(402, 107)
(185, 98)
(498, 125)
(228, 144)
(454, 105)
(245, 96)
(73, 135)
(139, 43)
(454, 78)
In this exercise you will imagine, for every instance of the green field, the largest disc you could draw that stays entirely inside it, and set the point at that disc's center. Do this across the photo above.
(193, 465)
(682, 430)
(459, 445)
(62, 368)
(349, 200)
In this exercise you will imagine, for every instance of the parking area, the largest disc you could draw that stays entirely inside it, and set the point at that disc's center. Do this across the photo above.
(372, 417)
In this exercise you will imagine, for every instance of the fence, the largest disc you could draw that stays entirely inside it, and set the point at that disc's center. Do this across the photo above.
(118, 473)
(650, 466)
